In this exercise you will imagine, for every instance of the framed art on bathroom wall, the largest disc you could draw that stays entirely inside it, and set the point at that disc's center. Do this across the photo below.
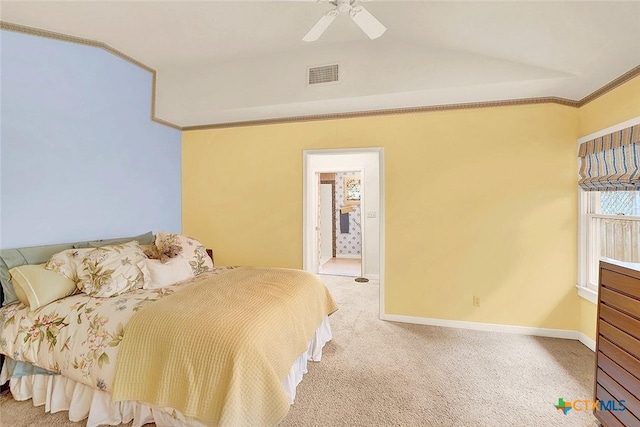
(351, 191)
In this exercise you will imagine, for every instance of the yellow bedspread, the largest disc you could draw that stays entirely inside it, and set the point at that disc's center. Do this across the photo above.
(219, 350)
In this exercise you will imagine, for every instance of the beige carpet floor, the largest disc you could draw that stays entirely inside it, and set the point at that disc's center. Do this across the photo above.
(377, 373)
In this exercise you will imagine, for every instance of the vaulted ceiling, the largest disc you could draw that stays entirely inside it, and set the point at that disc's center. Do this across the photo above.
(233, 61)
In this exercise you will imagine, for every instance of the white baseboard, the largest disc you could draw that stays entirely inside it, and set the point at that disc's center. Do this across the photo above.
(494, 327)
(591, 344)
(348, 256)
(372, 276)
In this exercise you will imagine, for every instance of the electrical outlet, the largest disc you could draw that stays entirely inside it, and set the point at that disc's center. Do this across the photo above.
(476, 301)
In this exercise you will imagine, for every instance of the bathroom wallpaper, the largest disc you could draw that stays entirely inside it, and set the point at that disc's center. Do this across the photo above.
(347, 244)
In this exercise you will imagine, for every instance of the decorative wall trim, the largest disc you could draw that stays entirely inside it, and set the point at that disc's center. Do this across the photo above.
(93, 43)
(445, 107)
(153, 104)
(494, 327)
(634, 72)
(387, 112)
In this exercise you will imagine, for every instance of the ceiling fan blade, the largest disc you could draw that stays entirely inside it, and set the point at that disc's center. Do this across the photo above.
(367, 22)
(317, 30)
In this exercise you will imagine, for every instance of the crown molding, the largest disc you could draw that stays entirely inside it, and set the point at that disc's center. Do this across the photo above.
(629, 75)
(93, 43)
(632, 73)
(388, 112)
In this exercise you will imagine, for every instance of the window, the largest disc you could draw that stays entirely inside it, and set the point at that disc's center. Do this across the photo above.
(612, 230)
(609, 209)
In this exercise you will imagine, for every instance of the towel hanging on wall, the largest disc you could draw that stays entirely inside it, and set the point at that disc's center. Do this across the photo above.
(344, 223)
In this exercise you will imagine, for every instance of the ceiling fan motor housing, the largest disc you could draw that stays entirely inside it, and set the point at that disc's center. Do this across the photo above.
(370, 25)
(345, 5)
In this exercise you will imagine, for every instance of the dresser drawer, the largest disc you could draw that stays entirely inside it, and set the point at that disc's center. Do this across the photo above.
(620, 302)
(622, 321)
(619, 282)
(622, 339)
(618, 392)
(623, 417)
(620, 375)
(630, 363)
(607, 419)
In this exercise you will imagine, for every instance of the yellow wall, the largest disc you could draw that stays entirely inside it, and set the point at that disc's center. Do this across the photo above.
(478, 202)
(619, 105)
(616, 106)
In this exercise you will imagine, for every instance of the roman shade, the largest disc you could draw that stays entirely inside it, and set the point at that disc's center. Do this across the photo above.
(611, 162)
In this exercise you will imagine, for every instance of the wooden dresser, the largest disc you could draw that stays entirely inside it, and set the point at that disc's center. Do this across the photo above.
(617, 379)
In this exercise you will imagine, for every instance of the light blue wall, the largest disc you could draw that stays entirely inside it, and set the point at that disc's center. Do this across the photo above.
(80, 158)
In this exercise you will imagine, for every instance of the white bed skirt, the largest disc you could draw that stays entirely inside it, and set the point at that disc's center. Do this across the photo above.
(58, 393)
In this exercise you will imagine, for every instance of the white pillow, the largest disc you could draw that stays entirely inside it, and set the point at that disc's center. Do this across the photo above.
(161, 275)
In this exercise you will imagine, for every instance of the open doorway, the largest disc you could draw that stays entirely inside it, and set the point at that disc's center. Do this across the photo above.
(340, 223)
(369, 162)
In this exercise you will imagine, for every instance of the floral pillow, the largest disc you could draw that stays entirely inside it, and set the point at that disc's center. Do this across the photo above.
(192, 250)
(112, 270)
(68, 262)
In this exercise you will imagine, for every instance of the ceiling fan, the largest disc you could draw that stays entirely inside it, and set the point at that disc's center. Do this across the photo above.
(361, 16)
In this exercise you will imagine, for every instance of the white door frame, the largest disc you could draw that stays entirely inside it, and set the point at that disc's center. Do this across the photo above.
(310, 198)
(327, 221)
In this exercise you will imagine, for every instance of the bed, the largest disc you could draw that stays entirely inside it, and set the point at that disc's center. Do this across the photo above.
(227, 346)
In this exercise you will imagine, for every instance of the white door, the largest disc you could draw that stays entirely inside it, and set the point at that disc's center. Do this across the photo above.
(326, 223)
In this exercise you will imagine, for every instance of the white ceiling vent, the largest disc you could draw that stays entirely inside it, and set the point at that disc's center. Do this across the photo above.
(325, 74)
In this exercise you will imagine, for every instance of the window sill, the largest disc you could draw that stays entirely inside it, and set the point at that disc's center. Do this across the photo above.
(588, 294)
